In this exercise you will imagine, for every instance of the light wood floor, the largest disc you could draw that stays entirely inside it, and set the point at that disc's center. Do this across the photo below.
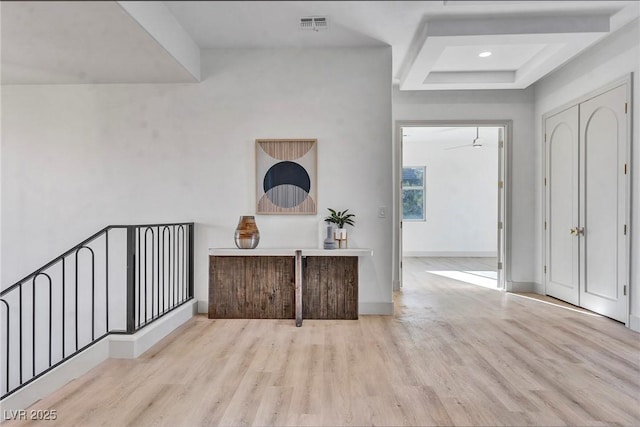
(454, 354)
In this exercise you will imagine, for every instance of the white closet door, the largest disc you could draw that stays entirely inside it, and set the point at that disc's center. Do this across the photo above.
(603, 271)
(561, 151)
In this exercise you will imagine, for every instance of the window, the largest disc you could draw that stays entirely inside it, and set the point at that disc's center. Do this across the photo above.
(413, 201)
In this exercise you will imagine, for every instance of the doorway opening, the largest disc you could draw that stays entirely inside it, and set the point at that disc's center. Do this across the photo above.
(451, 203)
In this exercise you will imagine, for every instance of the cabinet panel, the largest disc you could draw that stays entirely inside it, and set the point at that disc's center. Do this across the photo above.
(330, 288)
(251, 287)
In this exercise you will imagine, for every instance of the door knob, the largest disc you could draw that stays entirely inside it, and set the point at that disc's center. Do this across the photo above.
(580, 231)
(574, 231)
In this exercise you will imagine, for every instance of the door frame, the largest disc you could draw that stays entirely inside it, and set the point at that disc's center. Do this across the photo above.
(628, 80)
(504, 202)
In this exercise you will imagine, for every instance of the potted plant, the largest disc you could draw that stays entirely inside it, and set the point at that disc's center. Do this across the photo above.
(339, 218)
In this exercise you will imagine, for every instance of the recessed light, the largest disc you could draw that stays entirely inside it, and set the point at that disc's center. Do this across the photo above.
(484, 54)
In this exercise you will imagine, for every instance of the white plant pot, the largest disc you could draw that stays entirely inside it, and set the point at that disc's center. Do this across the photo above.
(340, 233)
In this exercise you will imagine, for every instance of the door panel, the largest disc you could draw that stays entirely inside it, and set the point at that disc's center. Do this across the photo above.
(602, 202)
(562, 205)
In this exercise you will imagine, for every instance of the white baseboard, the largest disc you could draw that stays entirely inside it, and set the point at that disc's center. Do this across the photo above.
(521, 287)
(203, 307)
(132, 346)
(116, 346)
(396, 285)
(438, 254)
(634, 323)
(539, 288)
(379, 308)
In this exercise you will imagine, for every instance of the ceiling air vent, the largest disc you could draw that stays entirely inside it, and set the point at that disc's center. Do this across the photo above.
(313, 23)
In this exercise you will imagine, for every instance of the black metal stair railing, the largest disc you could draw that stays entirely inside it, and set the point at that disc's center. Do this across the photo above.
(117, 281)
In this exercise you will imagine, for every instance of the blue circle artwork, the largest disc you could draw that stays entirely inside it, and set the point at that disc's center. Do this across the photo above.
(286, 184)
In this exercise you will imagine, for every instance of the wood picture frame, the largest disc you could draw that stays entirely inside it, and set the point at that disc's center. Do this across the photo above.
(286, 176)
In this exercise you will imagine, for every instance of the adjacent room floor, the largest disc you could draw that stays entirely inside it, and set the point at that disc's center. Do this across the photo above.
(417, 271)
(453, 354)
(479, 271)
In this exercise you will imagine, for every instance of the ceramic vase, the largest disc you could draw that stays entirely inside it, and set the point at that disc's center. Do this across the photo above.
(247, 235)
(329, 242)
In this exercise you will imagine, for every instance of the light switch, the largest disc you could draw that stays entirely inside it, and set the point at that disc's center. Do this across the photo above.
(382, 212)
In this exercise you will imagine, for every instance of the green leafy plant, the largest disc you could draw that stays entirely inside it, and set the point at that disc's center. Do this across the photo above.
(340, 218)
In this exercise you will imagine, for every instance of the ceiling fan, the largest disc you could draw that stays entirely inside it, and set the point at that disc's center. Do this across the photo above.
(476, 143)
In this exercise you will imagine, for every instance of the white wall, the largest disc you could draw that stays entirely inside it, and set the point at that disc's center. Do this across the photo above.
(613, 58)
(78, 157)
(461, 192)
(515, 105)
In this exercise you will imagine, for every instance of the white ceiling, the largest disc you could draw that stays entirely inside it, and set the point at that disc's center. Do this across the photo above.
(80, 42)
(503, 58)
(434, 43)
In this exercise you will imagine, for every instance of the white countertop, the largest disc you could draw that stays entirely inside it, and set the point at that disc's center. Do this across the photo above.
(290, 252)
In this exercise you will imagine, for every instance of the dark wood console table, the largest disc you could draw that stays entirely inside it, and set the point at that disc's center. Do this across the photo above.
(284, 283)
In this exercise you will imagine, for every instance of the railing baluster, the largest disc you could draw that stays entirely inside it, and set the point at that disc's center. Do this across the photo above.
(93, 292)
(178, 265)
(64, 285)
(106, 278)
(146, 271)
(7, 353)
(131, 279)
(164, 273)
(33, 326)
(20, 328)
(33, 285)
(191, 248)
(166, 266)
(182, 263)
(175, 267)
(139, 258)
(76, 299)
(50, 319)
(158, 275)
(93, 296)
(185, 269)
(153, 244)
(145, 277)
(33, 319)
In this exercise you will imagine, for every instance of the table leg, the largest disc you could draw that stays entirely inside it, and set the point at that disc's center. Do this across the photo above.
(298, 287)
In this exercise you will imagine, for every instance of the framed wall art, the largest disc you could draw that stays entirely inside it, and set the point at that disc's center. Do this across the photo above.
(286, 180)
